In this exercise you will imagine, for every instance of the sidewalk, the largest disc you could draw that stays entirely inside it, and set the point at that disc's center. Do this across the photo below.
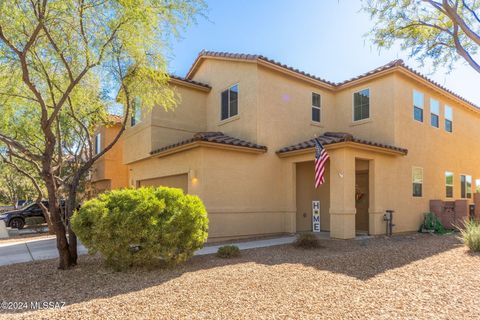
(34, 250)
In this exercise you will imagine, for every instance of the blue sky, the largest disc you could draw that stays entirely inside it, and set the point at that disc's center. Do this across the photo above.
(322, 37)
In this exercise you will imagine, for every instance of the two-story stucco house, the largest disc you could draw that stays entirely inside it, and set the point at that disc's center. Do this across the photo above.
(241, 139)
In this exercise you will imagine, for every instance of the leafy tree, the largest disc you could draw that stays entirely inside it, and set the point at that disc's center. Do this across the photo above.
(443, 31)
(61, 64)
(15, 186)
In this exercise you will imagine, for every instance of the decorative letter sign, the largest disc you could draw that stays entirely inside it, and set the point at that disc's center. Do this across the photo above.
(316, 216)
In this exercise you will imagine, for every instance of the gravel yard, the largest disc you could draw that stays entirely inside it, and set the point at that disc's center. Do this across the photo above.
(416, 276)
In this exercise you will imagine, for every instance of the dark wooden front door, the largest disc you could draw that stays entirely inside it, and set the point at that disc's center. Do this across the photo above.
(361, 201)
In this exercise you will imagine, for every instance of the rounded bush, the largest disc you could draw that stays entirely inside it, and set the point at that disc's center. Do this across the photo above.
(142, 226)
(229, 251)
(307, 241)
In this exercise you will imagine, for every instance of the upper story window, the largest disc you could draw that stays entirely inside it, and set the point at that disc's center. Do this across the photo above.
(449, 184)
(434, 112)
(316, 107)
(465, 186)
(361, 105)
(418, 105)
(136, 111)
(477, 185)
(448, 119)
(98, 143)
(229, 102)
(417, 181)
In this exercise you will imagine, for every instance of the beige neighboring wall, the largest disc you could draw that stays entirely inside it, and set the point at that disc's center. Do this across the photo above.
(109, 172)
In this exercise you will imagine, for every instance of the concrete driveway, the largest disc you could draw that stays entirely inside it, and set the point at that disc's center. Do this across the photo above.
(33, 250)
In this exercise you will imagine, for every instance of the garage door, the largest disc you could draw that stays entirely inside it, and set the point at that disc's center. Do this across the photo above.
(176, 181)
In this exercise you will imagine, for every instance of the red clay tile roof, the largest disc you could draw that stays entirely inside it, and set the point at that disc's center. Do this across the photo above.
(242, 56)
(115, 118)
(393, 64)
(190, 81)
(337, 137)
(213, 137)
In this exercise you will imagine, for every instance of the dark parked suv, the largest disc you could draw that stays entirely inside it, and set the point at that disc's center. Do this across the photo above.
(16, 218)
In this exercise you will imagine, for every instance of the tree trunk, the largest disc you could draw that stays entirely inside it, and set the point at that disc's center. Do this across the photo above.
(65, 261)
(70, 206)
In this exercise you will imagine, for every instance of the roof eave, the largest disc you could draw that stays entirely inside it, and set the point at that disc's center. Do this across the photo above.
(207, 144)
(345, 144)
(295, 74)
(189, 85)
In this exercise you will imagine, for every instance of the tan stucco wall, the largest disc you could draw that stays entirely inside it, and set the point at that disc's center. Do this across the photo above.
(221, 75)
(251, 194)
(160, 127)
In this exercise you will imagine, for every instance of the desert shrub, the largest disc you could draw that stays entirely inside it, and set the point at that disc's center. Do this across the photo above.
(230, 251)
(144, 226)
(432, 223)
(307, 241)
(470, 235)
(37, 224)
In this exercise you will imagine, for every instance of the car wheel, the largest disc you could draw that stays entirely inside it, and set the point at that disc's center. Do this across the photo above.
(17, 223)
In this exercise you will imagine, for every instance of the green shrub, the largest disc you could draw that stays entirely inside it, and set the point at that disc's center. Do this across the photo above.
(470, 235)
(37, 224)
(144, 226)
(229, 251)
(432, 223)
(307, 241)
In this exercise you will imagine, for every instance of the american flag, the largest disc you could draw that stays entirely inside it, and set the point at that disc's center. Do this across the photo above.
(321, 157)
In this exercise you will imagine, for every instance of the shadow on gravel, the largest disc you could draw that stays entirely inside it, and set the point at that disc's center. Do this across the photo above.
(362, 260)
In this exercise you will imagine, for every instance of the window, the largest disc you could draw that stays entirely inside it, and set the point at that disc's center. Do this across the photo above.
(98, 143)
(465, 186)
(418, 106)
(434, 112)
(417, 181)
(136, 111)
(448, 119)
(449, 184)
(316, 102)
(361, 105)
(229, 102)
(477, 185)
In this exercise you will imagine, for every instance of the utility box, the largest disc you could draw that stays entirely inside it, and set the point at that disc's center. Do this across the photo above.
(450, 213)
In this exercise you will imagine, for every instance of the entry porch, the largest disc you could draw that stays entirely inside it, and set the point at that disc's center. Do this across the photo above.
(359, 186)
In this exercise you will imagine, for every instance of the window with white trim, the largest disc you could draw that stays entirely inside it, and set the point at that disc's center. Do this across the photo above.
(417, 181)
(477, 185)
(136, 111)
(316, 107)
(465, 186)
(98, 143)
(448, 119)
(449, 184)
(418, 100)
(229, 102)
(361, 105)
(434, 113)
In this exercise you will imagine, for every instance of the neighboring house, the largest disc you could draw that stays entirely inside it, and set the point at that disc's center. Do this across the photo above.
(108, 172)
(241, 139)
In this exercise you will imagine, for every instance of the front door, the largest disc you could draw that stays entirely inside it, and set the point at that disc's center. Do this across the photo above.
(361, 202)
